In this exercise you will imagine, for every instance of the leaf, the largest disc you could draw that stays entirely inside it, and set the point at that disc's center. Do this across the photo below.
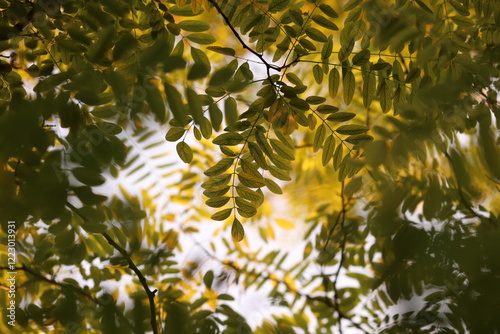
(351, 5)
(282, 150)
(222, 215)
(201, 38)
(333, 82)
(279, 173)
(461, 9)
(230, 111)
(315, 35)
(251, 180)
(217, 202)
(413, 74)
(176, 105)
(184, 151)
(257, 155)
(462, 21)
(340, 116)
(349, 84)
(328, 10)
(318, 74)
(215, 116)
(422, 5)
(324, 22)
(228, 138)
(337, 156)
(328, 150)
(194, 25)
(237, 230)
(208, 279)
(319, 137)
(351, 129)
(175, 133)
(86, 195)
(327, 109)
(195, 106)
(273, 186)
(88, 176)
(220, 167)
(361, 58)
(369, 89)
(222, 50)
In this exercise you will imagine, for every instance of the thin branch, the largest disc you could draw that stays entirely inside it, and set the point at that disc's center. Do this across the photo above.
(150, 293)
(242, 42)
(240, 271)
(54, 282)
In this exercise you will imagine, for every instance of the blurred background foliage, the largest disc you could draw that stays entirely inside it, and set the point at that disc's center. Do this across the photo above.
(375, 120)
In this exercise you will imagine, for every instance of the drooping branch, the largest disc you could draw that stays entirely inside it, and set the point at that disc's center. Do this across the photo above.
(150, 293)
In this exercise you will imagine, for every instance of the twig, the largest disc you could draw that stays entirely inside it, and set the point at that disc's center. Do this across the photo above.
(54, 282)
(242, 42)
(150, 293)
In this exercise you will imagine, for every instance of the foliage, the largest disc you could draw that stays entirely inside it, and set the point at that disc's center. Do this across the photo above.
(377, 119)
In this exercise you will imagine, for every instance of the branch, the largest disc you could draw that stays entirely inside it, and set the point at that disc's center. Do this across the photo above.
(150, 293)
(327, 301)
(242, 42)
(54, 282)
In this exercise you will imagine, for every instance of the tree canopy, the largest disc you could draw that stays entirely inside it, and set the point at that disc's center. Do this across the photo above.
(342, 155)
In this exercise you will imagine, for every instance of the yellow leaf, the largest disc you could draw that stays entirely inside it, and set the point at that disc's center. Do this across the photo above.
(283, 223)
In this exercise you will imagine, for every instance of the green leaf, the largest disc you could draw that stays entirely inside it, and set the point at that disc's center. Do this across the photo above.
(251, 180)
(351, 129)
(273, 186)
(315, 99)
(176, 105)
(237, 231)
(279, 173)
(86, 195)
(340, 116)
(328, 10)
(228, 138)
(351, 5)
(208, 279)
(217, 202)
(230, 111)
(257, 155)
(337, 156)
(461, 9)
(185, 152)
(319, 137)
(282, 150)
(220, 167)
(156, 103)
(422, 5)
(222, 50)
(326, 109)
(222, 215)
(318, 74)
(349, 85)
(195, 106)
(462, 21)
(328, 149)
(413, 74)
(361, 58)
(194, 25)
(324, 22)
(88, 176)
(315, 35)
(333, 82)
(201, 38)
(369, 88)
(174, 134)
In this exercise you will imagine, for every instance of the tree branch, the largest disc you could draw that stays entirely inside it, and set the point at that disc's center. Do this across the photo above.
(54, 282)
(242, 42)
(150, 293)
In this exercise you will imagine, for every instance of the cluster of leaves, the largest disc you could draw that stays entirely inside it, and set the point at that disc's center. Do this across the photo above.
(372, 97)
